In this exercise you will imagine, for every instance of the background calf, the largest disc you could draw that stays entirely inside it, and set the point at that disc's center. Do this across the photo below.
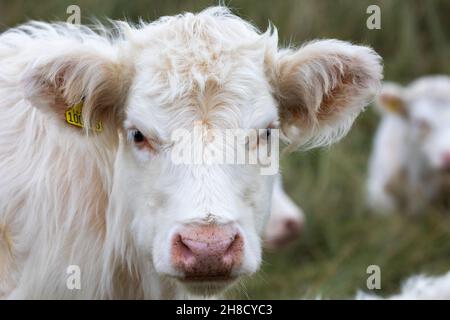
(410, 161)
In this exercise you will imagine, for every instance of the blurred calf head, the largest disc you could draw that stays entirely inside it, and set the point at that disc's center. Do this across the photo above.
(410, 162)
(425, 106)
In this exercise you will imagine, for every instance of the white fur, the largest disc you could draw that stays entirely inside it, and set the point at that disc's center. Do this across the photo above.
(71, 197)
(387, 160)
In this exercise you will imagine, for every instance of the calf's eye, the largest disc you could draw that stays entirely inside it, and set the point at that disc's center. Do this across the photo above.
(142, 142)
(138, 137)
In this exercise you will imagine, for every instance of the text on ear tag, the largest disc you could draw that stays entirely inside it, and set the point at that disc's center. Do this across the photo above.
(73, 117)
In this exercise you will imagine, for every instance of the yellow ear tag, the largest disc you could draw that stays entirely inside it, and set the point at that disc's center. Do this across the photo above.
(393, 105)
(73, 117)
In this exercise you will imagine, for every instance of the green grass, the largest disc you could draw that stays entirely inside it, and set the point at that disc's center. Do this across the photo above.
(332, 257)
(342, 238)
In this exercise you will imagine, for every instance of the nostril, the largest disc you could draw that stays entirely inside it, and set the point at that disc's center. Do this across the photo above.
(185, 252)
(292, 226)
(195, 246)
(232, 243)
(233, 253)
(182, 254)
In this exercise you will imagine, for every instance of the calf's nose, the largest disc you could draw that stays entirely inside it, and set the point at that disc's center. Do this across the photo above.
(293, 227)
(207, 252)
(288, 231)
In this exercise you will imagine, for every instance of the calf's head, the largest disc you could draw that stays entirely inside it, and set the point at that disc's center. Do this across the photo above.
(200, 223)
(425, 106)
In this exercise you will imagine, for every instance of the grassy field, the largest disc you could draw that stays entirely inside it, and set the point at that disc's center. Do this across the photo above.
(341, 238)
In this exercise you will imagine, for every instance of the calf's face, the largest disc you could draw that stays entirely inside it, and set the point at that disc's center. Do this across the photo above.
(430, 123)
(200, 220)
(172, 88)
(425, 106)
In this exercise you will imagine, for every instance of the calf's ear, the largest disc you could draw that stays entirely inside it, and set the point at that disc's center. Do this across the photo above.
(96, 80)
(391, 100)
(321, 88)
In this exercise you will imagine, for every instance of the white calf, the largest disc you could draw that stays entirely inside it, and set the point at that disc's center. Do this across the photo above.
(410, 161)
(110, 199)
